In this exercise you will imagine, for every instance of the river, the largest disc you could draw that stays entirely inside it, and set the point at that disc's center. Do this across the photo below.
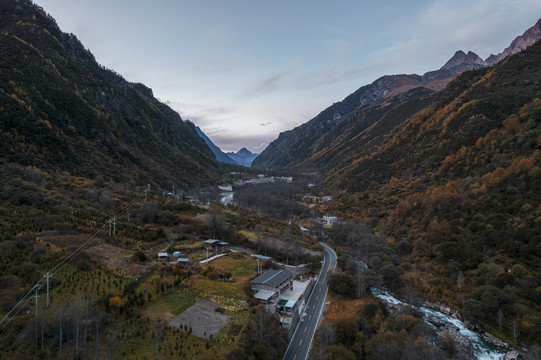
(228, 196)
(481, 350)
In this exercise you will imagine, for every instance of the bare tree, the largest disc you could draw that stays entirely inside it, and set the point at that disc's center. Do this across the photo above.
(150, 210)
(409, 292)
(296, 249)
(216, 223)
(60, 345)
(260, 325)
(327, 335)
(360, 284)
(97, 338)
(258, 231)
(106, 200)
(460, 280)
(500, 318)
(157, 339)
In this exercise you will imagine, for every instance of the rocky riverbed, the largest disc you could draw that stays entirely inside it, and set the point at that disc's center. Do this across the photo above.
(469, 343)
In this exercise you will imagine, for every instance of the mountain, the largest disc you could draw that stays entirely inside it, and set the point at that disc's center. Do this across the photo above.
(294, 146)
(62, 111)
(243, 157)
(462, 61)
(472, 107)
(520, 43)
(220, 155)
(455, 189)
(299, 146)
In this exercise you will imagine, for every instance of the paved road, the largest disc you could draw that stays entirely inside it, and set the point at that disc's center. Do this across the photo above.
(300, 343)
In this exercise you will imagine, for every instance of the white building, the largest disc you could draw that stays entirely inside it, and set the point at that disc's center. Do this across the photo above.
(329, 220)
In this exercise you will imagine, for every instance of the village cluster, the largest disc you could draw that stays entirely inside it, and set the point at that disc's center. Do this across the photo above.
(279, 290)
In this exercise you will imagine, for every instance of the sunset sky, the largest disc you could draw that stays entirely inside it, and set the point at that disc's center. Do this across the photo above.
(244, 71)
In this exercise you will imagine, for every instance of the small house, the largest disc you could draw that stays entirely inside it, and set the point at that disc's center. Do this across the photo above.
(163, 256)
(216, 244)
(329, 220)
(271, 284)
(285, 306)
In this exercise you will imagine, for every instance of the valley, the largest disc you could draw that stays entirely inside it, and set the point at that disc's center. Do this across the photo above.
(403, 222)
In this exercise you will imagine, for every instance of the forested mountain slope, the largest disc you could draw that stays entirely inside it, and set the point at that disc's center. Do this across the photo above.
(475, 104)
(456, 191)
(62, 111)
(308, 145)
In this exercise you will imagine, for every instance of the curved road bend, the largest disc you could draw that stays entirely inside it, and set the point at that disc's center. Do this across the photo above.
(300, 343)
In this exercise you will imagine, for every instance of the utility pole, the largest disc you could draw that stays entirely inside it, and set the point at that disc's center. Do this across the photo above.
(207, 256)
(47, 276)
(114, 226)
(97, 338)
(36, 326)
(258, 266)
(37, 296)
(157, 340)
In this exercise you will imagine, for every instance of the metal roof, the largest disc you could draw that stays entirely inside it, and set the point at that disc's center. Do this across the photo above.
(291, 304)
(261, 257)
(273, 277)
(263, 295)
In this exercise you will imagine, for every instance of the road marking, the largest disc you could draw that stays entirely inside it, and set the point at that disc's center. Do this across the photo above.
(317, 297)
(319, 289)
(300, 342)
(310, 317)
(313, 307)
(306, 327)
(294, 357)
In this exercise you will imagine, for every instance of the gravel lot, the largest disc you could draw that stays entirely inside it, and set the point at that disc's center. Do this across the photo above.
(203, 319)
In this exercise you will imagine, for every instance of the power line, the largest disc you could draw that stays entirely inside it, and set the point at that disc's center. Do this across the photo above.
(87, 243)
(78, 250)
(9, 316)
(18, 311)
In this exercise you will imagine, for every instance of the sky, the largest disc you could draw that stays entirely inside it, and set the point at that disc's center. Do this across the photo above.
(246, 70)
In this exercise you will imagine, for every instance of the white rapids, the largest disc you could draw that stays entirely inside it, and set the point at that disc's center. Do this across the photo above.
(480, 348)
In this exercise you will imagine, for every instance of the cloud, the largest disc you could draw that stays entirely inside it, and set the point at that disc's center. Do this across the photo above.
(426, 41)
(201, 113)
(268, 85)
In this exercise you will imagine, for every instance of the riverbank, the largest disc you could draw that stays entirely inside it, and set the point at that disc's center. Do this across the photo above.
(470, 343)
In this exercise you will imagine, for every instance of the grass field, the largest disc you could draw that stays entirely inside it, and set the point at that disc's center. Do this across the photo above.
(220, 288)
(241, 269)
(249, 234)
(189, 244)
(174, 303)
